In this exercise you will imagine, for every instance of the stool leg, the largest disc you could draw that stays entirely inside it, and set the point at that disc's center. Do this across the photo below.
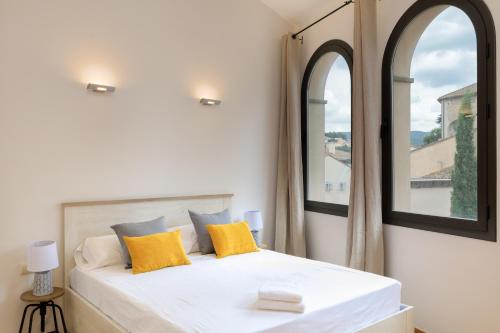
(24, 316)
(51, 303)
(31, 316)
(62, 317)
(43, 312)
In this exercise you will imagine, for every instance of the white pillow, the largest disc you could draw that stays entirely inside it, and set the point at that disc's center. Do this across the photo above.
(96, 252)
(188, 236)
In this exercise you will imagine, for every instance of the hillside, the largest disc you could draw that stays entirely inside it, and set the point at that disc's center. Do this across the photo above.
(416, 137)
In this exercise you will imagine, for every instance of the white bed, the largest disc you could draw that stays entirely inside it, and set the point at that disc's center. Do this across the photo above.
(217, 295)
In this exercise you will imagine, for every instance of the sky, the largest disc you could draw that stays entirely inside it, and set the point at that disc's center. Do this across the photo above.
(444, 60)
(338, 95)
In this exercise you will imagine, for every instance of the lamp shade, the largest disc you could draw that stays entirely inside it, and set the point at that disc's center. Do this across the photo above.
(42, 256)
(254, 219)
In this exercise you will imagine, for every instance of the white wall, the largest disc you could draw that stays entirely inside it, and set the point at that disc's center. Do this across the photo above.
(430, 200)
(453, 282)
(151, 137)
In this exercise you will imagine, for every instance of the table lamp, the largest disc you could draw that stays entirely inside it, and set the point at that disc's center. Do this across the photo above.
(42, 259)
(254, 219)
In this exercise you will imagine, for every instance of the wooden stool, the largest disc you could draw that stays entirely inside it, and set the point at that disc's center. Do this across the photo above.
(40, 303)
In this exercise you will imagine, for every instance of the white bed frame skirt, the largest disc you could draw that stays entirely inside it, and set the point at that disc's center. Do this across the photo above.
(86, 318)
(87, 219)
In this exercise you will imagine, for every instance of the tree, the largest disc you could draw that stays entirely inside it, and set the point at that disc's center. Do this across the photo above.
(333, 135)
(433, 136)
(439, 119)
(464, 175)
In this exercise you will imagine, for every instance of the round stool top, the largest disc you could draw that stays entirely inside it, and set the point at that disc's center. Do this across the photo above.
(28, 296)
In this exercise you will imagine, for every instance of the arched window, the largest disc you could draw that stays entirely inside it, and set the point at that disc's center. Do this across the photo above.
(438, 114)
(326, 128)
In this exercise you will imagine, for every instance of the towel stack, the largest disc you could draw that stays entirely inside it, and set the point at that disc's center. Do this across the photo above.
(280, 297)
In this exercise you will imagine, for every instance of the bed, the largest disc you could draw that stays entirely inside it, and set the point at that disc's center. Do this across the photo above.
(215, 295)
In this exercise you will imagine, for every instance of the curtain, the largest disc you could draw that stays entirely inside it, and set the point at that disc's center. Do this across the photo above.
(365, 246)
(290, 229)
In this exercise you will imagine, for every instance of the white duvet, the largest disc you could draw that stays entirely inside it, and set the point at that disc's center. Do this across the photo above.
(219, 295)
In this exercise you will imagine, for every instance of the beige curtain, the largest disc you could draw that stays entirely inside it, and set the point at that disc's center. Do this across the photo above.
(365, 246)
(290, 230)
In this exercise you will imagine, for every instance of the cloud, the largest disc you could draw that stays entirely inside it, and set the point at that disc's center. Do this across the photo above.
(445, 59)
(445, 67)
(455, 31)
(424, 106)
(338, 95)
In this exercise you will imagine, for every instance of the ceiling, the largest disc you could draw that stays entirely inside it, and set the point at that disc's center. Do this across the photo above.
(294, 11)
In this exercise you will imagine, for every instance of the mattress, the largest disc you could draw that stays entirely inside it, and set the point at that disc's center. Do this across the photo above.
(219, 295)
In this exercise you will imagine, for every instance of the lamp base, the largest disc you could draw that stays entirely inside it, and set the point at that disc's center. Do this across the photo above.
(42, 285)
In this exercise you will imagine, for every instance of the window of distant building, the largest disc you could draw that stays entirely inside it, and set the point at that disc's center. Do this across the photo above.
(439, 163)
(326, 123)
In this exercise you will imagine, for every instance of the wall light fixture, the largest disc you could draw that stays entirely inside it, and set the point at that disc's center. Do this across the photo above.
(210, 102)
(100, 88)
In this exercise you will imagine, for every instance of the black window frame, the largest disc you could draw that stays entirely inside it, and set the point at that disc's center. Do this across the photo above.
(344, 50)
(485, 227)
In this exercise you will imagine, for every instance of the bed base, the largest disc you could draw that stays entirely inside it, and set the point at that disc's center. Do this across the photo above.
(83, 317)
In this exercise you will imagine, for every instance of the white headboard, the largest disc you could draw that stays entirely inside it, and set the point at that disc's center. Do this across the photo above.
(87, 219)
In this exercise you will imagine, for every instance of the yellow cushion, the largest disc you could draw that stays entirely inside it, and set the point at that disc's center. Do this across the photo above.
(229, 239)
(156, 251)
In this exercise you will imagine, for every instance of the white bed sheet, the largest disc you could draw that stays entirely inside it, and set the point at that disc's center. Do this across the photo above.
(219, 295)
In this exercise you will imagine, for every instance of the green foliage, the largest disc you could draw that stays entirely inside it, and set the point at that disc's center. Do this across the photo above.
(436, 134)
(466, 107)
(439, 119)
(433, 136)
(333, 135)
(453, 125)
(464, 175)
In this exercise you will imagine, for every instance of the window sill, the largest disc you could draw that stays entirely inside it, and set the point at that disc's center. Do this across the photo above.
(326, 208)
(489, 234)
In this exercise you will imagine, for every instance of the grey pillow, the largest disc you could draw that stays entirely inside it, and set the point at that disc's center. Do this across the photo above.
(136, 230)
(200, 222)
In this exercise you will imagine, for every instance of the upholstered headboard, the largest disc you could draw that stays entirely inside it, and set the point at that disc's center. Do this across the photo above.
(87, 219)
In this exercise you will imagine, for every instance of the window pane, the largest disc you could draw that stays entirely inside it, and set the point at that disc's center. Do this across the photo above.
(329, 130)
(435, 116)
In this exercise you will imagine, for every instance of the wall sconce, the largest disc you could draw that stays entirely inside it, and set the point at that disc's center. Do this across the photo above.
(100, 88)
(210, 102)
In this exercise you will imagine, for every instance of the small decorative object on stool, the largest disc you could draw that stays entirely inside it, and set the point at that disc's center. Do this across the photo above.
(254, 219)
(42, 259)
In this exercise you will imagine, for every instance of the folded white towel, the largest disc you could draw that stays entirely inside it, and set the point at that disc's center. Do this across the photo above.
(280, 292)
(280, 306)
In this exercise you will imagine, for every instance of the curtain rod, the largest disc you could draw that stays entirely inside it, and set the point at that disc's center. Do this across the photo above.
(294, 36)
